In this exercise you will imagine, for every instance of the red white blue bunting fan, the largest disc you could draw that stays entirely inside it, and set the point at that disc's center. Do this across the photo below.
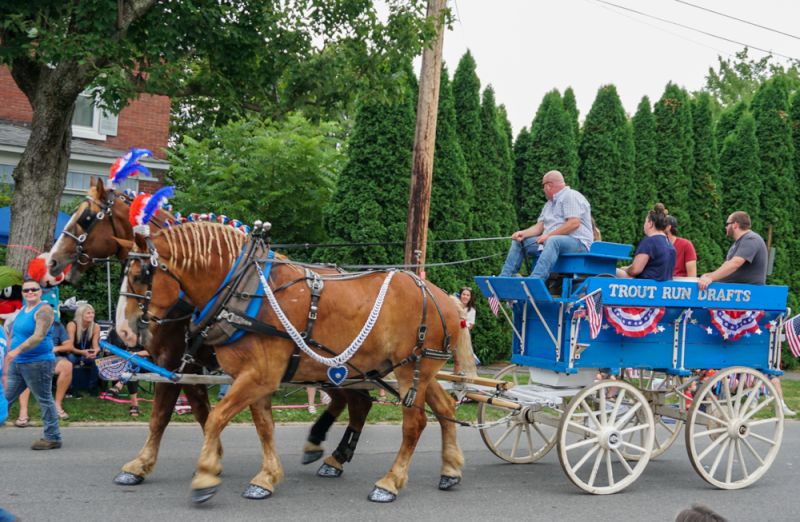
(634, 322)
(733, 324)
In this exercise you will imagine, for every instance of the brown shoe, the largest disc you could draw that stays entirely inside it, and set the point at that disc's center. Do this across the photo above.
(44, 444)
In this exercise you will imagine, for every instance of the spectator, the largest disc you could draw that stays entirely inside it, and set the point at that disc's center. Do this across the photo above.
(85, 336)
(30, 361)
(62, 347)
(699, 513)
(685, 255)
(312, 395)
(133, 386)
(3, 401)
(468, 300)
(655, 255)
(596, 232)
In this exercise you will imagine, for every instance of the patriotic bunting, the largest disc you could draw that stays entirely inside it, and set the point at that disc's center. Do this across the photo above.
(494, 304)
(733, 324)
(594, 310)
(634, 322)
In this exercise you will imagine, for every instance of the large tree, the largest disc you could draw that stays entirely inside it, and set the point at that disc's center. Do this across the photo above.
(673, 120)
(706, 197)
(607, 167)
(571, 106)
(770, 108)
(644, 136)
(740, 168)
(726, 124)
(522, 153)
(226, 56)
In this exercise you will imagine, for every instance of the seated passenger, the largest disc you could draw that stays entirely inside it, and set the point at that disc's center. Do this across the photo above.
(686, 260)
(655, 255)
(564, 227)
(746, 262)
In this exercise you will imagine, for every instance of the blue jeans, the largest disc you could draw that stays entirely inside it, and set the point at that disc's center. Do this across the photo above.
(554, 246)
(38, 376)
(5, 516)
(94, 374)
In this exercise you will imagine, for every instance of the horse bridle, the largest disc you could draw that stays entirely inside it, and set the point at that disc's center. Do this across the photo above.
(89, 219)
(147, 275)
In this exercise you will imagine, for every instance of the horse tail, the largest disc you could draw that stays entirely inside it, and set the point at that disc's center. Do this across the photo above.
(464, 346)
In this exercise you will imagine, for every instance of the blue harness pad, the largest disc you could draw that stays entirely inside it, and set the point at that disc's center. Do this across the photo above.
(255, 301)
(201, 315)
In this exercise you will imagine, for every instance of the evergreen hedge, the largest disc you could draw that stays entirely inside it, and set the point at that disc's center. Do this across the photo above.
(644, 136)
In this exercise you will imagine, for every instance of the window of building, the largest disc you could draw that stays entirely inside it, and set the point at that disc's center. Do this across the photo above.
(90, 121)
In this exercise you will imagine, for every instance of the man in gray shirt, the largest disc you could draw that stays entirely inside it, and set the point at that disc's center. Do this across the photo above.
(746, 262)
(563, 227)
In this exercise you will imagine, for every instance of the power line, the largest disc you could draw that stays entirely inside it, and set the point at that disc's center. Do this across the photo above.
(696, 30)
(661, 29)
(739, 19)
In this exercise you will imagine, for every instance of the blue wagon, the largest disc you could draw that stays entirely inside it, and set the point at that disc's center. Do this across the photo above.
(609, 370)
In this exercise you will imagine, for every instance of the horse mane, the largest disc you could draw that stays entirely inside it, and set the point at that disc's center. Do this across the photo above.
(197, 241)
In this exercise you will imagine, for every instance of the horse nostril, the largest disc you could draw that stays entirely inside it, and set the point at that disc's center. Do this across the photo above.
(52, 263)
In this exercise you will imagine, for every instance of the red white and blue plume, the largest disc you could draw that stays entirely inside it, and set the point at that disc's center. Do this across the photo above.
(128, 165)
(145, 206)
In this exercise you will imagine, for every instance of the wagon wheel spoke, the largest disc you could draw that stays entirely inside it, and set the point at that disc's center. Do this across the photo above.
(666, 426)
(585, 458)
(623, 461)
(591, 414)
(620, 400)
(585, 429)
(628, 414)
(541, 434)
(634, 446)
(596, 466)
(516, 441)
(528, 435)
(717, 405)
(713, 445)
(580, 444)
(741, 458)
(721, 451)
(762, 439)
(633, 429)
(742, 377)
(603, 411)
(753, 451)
(751, 393)
(760, 407)
(711, 417)
(506, 434)
(708, 433)
(763, 421)
(728, 398)
(730, 464)
(609, 469)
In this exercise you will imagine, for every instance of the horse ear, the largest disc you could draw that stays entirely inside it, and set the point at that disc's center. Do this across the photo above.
(124, 243)
(141, 243)
(101, 192)
(92, 182)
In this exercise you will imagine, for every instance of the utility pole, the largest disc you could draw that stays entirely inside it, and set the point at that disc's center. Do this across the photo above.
(419, 199)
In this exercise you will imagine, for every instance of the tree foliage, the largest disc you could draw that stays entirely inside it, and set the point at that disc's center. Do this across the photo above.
(740, 168)
(522, 155)
(571, 106)
(706, 198)
(726, 124)
(644, 140)
(277, 171)
(607, 167)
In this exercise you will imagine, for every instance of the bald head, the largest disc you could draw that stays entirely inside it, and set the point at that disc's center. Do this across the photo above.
(553, 183)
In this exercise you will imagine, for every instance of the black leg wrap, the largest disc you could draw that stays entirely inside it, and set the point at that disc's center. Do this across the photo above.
(347, 446)
(320, 428)
(408, 400)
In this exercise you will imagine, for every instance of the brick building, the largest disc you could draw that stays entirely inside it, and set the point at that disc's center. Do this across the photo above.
(98, 138)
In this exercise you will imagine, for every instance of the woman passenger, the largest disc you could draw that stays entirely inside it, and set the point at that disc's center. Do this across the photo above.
(655, 256)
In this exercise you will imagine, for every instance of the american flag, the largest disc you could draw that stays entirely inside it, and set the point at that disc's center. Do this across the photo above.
(594, 308)
(793, 334)
(494, 304)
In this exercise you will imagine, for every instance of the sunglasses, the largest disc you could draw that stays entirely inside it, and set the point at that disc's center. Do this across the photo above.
(730, 223)
(30, 290)
(466, 288)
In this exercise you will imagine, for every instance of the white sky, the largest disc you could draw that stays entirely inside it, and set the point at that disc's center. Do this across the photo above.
(526, 48)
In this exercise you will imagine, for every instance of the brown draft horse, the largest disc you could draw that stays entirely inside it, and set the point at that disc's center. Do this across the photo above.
(166, 346)
(200, 256)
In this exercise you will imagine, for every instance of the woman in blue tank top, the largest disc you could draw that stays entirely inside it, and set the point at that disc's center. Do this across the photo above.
(30, 361)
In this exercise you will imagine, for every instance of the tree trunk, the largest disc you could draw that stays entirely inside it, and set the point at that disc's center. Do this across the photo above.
(41, 174)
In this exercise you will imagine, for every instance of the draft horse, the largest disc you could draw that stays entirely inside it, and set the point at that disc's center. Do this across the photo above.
(91, 234)
(198, 258)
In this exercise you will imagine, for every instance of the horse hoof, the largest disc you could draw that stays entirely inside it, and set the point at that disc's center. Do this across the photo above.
(128, 479)
(256, 492)
(311, 456)
(446, 482)
(329, 471)
(201, 495)
(381, 495)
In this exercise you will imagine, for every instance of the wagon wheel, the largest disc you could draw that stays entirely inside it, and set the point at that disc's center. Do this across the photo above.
(667, 428)
(593, 433)
(734, 432)
(520, 439)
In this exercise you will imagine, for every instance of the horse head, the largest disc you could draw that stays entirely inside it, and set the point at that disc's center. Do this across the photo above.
(90, 233)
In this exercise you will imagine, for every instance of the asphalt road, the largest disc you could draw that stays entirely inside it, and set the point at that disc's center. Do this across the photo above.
(75, 483)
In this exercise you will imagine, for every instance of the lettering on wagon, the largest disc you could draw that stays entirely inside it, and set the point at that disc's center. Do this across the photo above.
(679, 293)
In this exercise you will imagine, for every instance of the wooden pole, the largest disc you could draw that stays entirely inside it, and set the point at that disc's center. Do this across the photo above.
(419, 199)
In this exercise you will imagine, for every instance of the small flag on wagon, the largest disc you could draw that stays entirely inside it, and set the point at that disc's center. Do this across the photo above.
(594, 309)
(634, 322)
(793, 334)
(494, 304)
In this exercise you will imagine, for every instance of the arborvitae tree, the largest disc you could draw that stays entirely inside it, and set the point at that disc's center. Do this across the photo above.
(644, 136)
(491, 336)
(770, 108)
(522, 156)
(370, 201)
(607, 163)
(706, 197)
(506, 124)
(571, 106)
(673, 127)
(552, 148)
(740, 170)
(726, 124)
(794, 114)
(451, 194)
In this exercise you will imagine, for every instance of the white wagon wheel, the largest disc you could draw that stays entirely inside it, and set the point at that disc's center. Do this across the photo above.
(667, 428)
(593, 432)
(519, 440)
(734, 431)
